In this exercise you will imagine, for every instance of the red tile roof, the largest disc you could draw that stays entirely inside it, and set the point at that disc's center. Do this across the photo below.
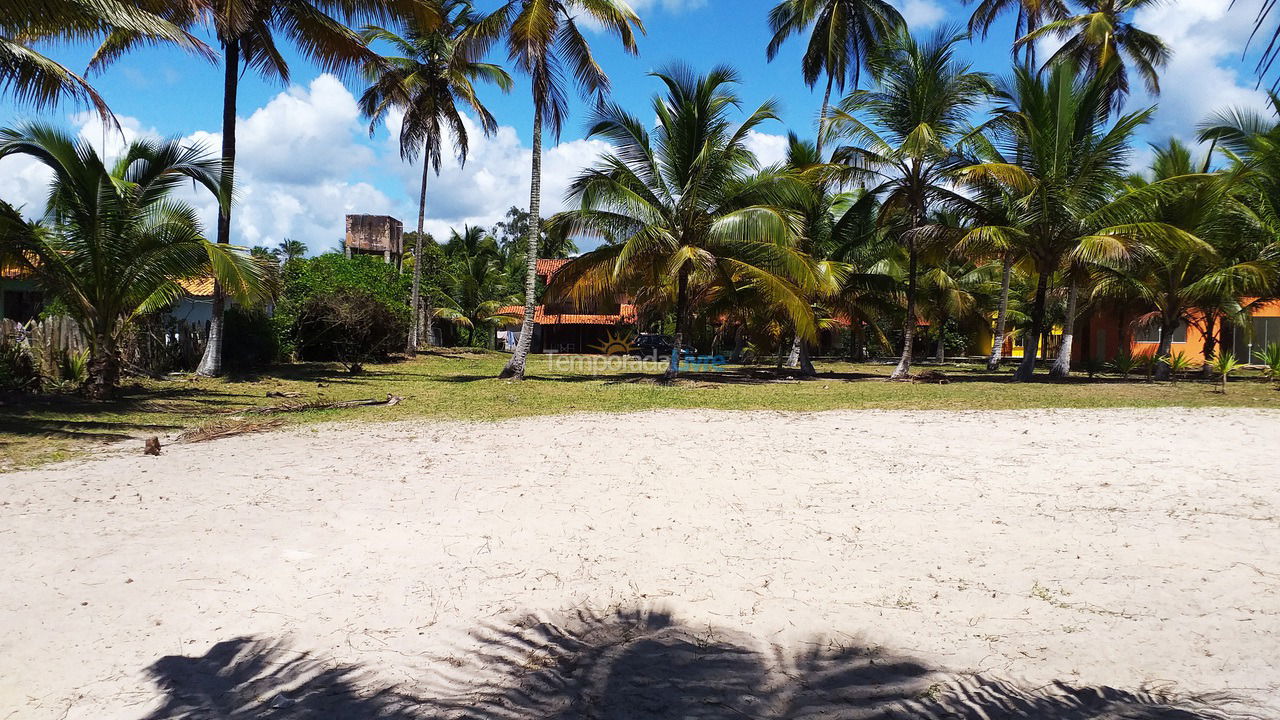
(547, 267)
(540, 317)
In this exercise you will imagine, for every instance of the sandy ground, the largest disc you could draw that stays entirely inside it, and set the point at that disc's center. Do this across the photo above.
(1046, 564)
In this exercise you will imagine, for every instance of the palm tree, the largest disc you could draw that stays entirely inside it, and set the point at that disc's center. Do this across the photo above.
(908, 137)
(476, 288)
(842, 36)
(542, 36)
(684, 205)
(36, 80)
(1209, 276)
(952, 290)
(1100, 39)
(288, 250)
(113, 242)
(431, 73)
(1068, 172)
(248, 32)
(1031, 14)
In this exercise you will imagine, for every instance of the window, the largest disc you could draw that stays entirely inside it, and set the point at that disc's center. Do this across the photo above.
(1150, 333)
(1262, 331)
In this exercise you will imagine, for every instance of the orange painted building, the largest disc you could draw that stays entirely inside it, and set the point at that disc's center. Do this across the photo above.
(1102, 335)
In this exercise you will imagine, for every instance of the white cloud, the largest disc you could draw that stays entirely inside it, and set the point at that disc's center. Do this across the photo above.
(769, 149)
(921, 14)
(1206, 40)
(303, 163)
(669, 5)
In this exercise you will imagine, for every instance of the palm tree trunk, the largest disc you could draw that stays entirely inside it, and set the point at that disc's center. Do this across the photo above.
(415, 327)
(682, 293)
(211, 362)
(909, 325)
(1163, 350)
(1002, 319)
(1027, 370)
(104, 367)
(516, 366)
(940, 352)
(1062, 365)
(739, 341)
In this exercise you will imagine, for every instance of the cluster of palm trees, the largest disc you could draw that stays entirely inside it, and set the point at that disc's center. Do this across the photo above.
(930, 191)
(947, 194)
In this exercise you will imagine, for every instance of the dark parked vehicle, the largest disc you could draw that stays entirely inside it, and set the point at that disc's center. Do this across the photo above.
(650, 345)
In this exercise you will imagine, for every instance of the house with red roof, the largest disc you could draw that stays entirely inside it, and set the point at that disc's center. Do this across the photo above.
(568, 326)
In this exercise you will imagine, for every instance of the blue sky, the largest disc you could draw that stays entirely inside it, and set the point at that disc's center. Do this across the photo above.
(307, 158)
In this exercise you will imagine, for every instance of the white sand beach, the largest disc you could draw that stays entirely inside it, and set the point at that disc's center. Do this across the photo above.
(1040, 564)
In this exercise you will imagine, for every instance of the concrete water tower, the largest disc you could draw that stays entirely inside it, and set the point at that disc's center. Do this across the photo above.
(375, 235)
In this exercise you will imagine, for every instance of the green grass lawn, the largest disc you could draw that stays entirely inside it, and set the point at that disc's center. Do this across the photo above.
(39, 429)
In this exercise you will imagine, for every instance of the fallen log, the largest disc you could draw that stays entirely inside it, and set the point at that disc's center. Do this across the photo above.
(321, 405)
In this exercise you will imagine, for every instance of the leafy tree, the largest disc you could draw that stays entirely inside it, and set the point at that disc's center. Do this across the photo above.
(114, 243)
(1101, 40)
(249, 33)
(431, 74)
(542, 36)
(682, 207)
(906, 134)
(333, 274)
(34, 79)
(475, 288)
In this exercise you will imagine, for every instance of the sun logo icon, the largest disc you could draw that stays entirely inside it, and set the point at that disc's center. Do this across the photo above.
(615, 344)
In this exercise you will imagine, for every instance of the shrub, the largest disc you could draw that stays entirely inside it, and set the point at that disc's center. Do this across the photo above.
(1178, 363)
(349, 326)
(250, 339)
(306, 279)
(1269, 358)
(1224, 364)
(1124, 363)
(17, 369)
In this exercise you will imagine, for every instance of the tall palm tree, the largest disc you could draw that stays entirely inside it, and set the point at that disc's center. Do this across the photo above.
(1103, 39)
(431, 73)
(1030, 15)
(542, 36)
(684, 203)
(33, 79)
(906, 134)
(1068, 173)
(113, 242)
(249, 33)
(842, 36)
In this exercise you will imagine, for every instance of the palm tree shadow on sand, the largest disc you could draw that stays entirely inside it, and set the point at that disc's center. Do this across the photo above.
(632, 665)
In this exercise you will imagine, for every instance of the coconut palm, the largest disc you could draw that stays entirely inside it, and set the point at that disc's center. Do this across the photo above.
(952, 290)
(542, 37)
(685, 204)
(249, 33)
(1068, 169)
(842, 36)
(431, 73)
(113, 242)
(1102, 38)
(906, 134)
(1178, 281)
(1030, 15)
(288, 250)
(475, 287)
(33, 79)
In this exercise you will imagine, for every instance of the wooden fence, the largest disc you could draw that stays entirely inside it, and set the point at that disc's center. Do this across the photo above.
(154, 346)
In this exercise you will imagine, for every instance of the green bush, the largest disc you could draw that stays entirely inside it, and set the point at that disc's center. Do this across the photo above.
(17, 369)
(324, 276)
(350, 326)
(250, 339)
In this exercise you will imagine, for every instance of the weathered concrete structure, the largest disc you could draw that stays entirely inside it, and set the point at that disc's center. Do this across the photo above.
(375, 235)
